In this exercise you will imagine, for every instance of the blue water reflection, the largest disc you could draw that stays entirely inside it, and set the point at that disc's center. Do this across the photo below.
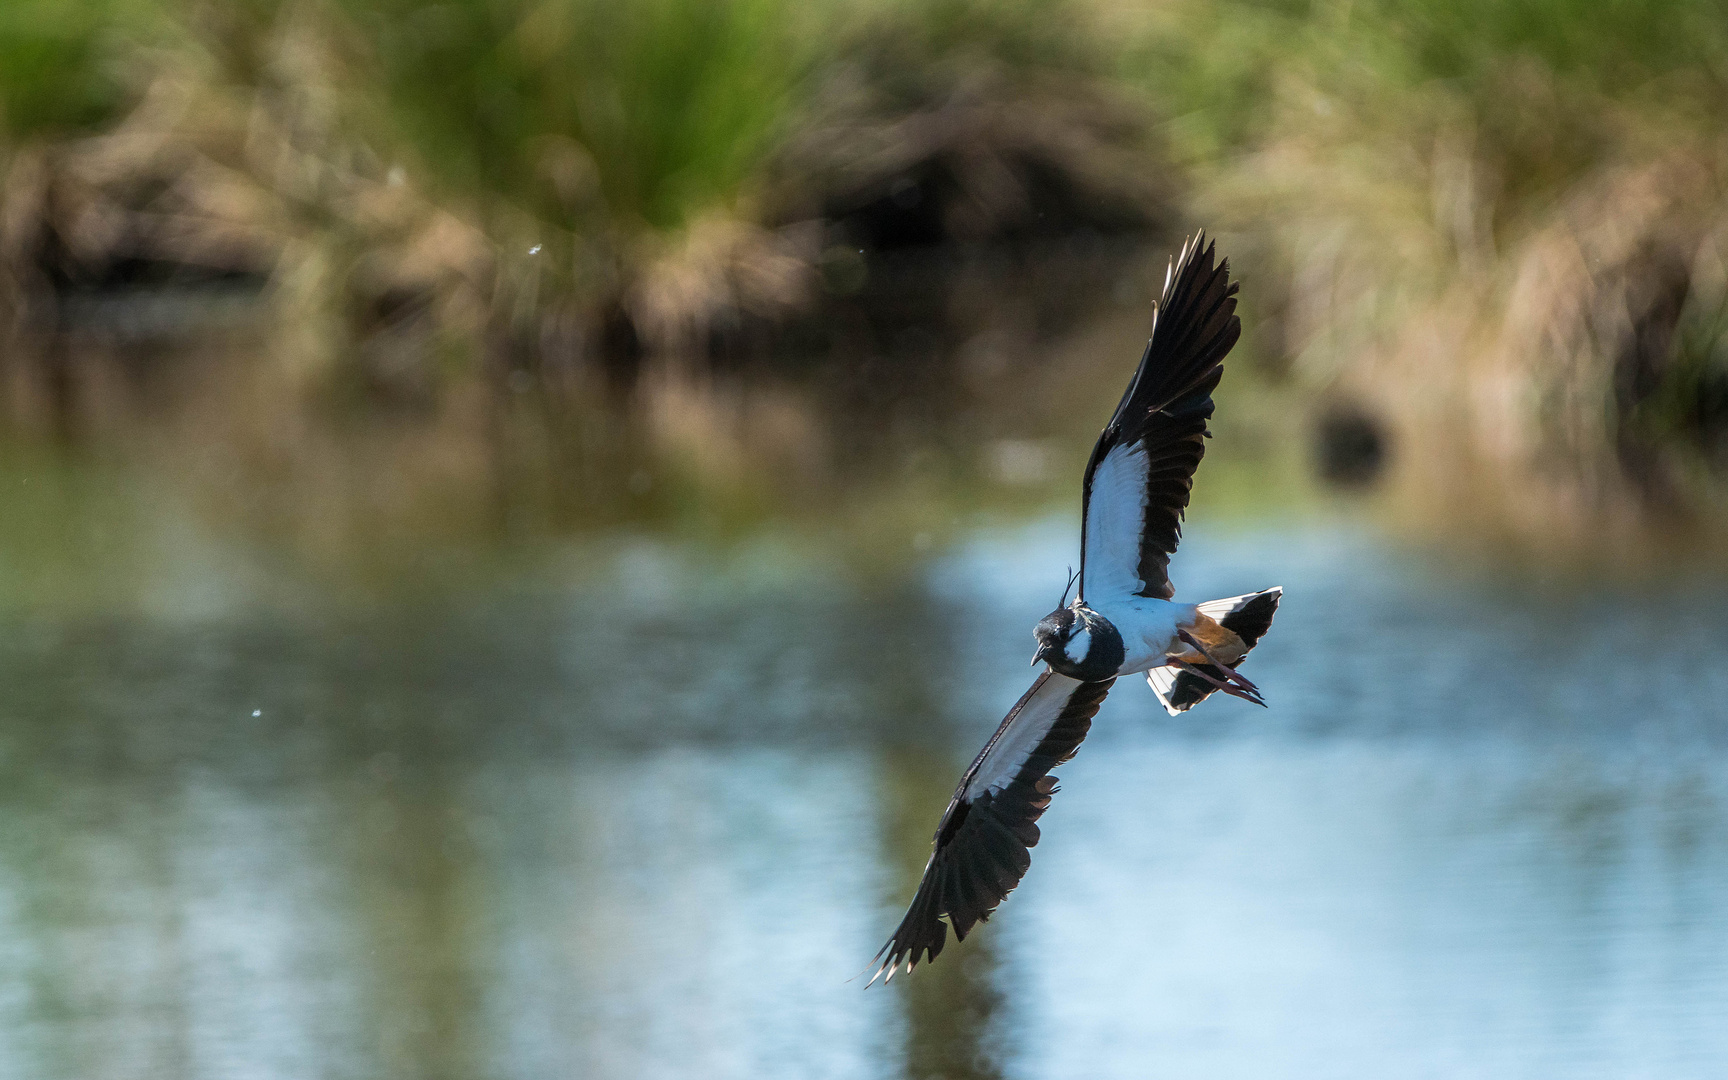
(645, 818)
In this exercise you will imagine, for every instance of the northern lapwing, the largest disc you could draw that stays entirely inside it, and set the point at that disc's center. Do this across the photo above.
(1122, 619)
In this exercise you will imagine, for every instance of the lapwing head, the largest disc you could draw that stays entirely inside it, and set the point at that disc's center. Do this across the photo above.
(1063, 641)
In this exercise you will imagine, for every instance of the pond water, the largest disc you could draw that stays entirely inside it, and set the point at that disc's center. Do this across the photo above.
(640, 809)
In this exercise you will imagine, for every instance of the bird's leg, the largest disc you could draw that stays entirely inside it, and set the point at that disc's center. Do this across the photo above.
(1229, 672)
(1228, 688)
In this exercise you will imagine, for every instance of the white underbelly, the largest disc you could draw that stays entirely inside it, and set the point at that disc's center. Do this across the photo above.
(1148, 629)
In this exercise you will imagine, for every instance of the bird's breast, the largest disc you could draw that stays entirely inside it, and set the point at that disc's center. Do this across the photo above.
(1147, 628)
(1095, 651)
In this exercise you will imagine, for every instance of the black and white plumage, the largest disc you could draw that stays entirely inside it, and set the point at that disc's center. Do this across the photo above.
(1142, 468)
(1122, 620)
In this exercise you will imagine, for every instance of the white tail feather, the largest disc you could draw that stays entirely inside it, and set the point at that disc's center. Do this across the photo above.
(1217, 609)
(1161, 679)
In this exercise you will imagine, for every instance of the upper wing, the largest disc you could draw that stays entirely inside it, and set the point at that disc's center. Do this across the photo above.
(1138, 480)
(982, 841)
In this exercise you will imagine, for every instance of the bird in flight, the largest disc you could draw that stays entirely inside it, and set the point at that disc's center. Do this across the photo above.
(1122, 620)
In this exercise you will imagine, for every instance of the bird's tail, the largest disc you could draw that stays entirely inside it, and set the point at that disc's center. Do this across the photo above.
(1248, 617)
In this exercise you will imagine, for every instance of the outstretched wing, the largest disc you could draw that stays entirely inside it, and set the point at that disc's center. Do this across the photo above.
(981, 844)
(1142, 469)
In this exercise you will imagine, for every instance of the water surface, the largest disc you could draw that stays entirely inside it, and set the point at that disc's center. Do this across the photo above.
(641, 809)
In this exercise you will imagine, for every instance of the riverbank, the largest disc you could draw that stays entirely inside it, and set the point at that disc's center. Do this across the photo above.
(1482, 253)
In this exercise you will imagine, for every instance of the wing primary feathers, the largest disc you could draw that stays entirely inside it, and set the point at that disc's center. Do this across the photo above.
(1158, 431)
(982, 845)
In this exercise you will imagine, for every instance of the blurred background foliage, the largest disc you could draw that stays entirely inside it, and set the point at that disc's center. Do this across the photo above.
(1482, 242)
(513, 513)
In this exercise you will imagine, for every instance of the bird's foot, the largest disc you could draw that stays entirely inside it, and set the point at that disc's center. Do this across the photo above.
(1229, 688)
(1229, 672)
(1217, 683)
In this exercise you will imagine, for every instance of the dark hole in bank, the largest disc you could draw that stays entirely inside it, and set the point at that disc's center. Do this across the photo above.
(1710, 416)
(1350, 447)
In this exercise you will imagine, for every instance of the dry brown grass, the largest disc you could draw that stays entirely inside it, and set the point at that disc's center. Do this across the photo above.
(1512, 347)
(203, 183)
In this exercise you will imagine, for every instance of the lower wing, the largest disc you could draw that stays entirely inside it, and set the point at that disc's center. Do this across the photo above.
(981, 849)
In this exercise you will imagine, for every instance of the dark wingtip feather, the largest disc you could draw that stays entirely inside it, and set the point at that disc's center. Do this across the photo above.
(983, 846)
(1196, 322)
(918, 939)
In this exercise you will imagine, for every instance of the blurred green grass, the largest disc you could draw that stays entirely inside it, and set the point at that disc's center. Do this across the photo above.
(679, 103)
(55, 75)
(587, 113)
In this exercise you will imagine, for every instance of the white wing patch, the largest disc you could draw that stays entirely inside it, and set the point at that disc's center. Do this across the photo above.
(1079, 647)
(1162, 679)
(1034, 720)
(1217, 609)
(1115, 524)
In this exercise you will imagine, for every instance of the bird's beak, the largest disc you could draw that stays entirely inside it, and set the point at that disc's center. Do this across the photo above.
(1043, 653)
